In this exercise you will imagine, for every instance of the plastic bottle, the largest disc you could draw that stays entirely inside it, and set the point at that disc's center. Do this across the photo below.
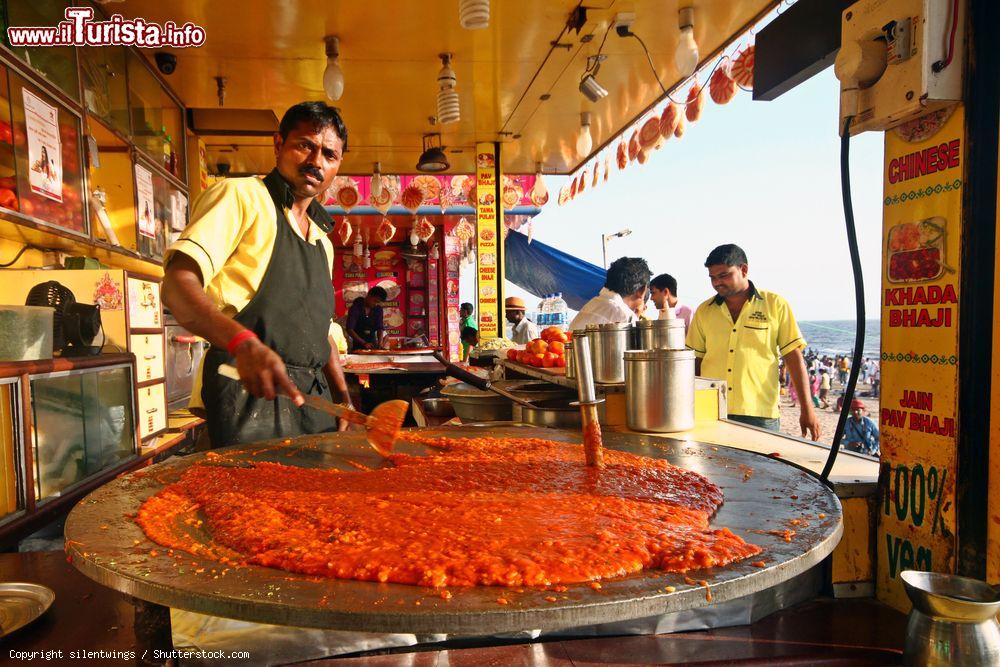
(560, 311)
(544, 311)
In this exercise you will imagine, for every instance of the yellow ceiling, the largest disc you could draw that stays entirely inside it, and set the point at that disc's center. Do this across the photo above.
(272, 53)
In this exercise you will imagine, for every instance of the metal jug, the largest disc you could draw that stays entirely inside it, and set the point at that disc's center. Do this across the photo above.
(953, 620)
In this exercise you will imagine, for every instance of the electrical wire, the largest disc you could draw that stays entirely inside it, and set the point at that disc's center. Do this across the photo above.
(859, 297)
(941, 64)
(12, 262)
(656, 75)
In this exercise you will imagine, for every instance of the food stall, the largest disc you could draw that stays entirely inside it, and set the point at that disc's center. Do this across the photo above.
(777, 521)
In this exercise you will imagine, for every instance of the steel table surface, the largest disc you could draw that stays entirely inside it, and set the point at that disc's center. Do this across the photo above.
(761, 495)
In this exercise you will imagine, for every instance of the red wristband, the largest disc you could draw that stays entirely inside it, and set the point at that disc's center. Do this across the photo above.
(236, 340)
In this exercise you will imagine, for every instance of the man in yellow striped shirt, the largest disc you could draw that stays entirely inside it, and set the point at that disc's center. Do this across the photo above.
(740, 334)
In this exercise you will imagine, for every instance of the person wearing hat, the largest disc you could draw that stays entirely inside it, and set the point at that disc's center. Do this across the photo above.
(523, 330)
(861, 434)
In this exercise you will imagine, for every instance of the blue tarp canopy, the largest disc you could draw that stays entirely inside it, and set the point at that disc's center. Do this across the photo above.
(542, 269)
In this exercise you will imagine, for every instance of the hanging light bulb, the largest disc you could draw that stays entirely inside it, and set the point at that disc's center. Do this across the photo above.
(474, 14)
(447, 99)
(333, 76)
(584, 142)
(686, 56)
(376, 188)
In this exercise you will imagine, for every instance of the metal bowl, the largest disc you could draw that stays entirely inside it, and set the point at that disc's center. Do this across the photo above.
(437, 407)
(551, 413)
(476, 405)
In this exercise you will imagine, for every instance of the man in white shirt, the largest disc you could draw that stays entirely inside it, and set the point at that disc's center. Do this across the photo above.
(626, 287)
(523, 330)
(664, 294)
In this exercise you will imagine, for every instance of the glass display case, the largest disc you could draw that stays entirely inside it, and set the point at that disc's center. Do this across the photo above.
(57, 64)
(105, 91)
(11, 500)
(112, 188)
(157, 120)
(8, 175)
(47, 158)
(83, 423)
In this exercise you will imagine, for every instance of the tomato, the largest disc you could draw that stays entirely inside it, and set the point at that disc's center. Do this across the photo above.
(512, 354)
(549, 360)
(538, 346)
(524, 357)
(536, 360)
(6, 133)
(551, 333)
(557, 347)
(560, 362)
(8, 199)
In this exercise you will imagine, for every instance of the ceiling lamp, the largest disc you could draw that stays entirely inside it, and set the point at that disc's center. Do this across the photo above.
(333, 77)
(686, 55)
(474, 14)
(447, 100)
(433, 158)
(584, 142)
(376, 186)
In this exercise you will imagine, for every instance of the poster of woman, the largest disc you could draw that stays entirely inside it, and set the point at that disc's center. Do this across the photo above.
(44, 152)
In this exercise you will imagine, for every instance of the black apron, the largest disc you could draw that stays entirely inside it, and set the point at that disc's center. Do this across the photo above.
(291, 314)
(365, 326)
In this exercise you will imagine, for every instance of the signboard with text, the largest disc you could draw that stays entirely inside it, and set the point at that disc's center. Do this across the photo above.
(487, 244)
(922, 228)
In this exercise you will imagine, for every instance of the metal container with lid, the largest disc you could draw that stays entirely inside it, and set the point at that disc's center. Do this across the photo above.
(659, 390)
(608, 343)
(570, 363)
(663, 334)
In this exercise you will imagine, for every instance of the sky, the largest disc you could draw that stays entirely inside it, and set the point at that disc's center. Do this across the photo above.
(763, 175)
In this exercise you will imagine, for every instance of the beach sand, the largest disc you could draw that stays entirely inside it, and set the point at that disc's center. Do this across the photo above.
(827, 416)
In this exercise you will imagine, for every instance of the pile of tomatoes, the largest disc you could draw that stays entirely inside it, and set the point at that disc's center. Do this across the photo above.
(545, 352)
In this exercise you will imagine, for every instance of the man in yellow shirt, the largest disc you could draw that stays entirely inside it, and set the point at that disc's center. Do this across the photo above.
(252, 274)
(739, 336)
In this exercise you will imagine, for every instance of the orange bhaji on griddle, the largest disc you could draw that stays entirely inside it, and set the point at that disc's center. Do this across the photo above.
(484, 511)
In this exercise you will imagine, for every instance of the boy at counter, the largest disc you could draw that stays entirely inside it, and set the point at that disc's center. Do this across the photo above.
(470, 339)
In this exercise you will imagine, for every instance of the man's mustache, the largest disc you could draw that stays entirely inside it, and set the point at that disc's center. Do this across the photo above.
(312, 171)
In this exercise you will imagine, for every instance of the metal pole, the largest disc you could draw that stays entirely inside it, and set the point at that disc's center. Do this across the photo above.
(604, 248)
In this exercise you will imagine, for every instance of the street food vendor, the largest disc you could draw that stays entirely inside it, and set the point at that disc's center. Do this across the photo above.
(740, 335)
(523, 330)
(625, 288)
(252, 274)
(366, 322)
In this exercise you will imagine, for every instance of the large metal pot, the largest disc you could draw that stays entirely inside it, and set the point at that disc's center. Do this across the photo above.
(552, 413)
(608, 343)
(659, 334)
(659, 390)
(477, 405)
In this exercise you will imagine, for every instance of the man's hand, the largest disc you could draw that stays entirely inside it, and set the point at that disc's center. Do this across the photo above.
(263, 373)
(809, 422)
(369, 346)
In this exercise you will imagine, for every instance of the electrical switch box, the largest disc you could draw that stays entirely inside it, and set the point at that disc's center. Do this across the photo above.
(899, 60)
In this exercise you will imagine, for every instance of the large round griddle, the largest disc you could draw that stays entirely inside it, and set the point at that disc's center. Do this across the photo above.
(761, 495)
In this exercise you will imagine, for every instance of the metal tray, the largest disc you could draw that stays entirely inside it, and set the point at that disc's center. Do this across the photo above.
(762, 494)
(22, 603)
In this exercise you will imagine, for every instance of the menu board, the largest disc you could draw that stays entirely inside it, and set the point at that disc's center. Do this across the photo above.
(922, 228)
(388, 271)
(452, 255)
(487, 244)
(433, 304)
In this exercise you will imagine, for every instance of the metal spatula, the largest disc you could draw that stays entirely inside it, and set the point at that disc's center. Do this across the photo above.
(381, 426)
